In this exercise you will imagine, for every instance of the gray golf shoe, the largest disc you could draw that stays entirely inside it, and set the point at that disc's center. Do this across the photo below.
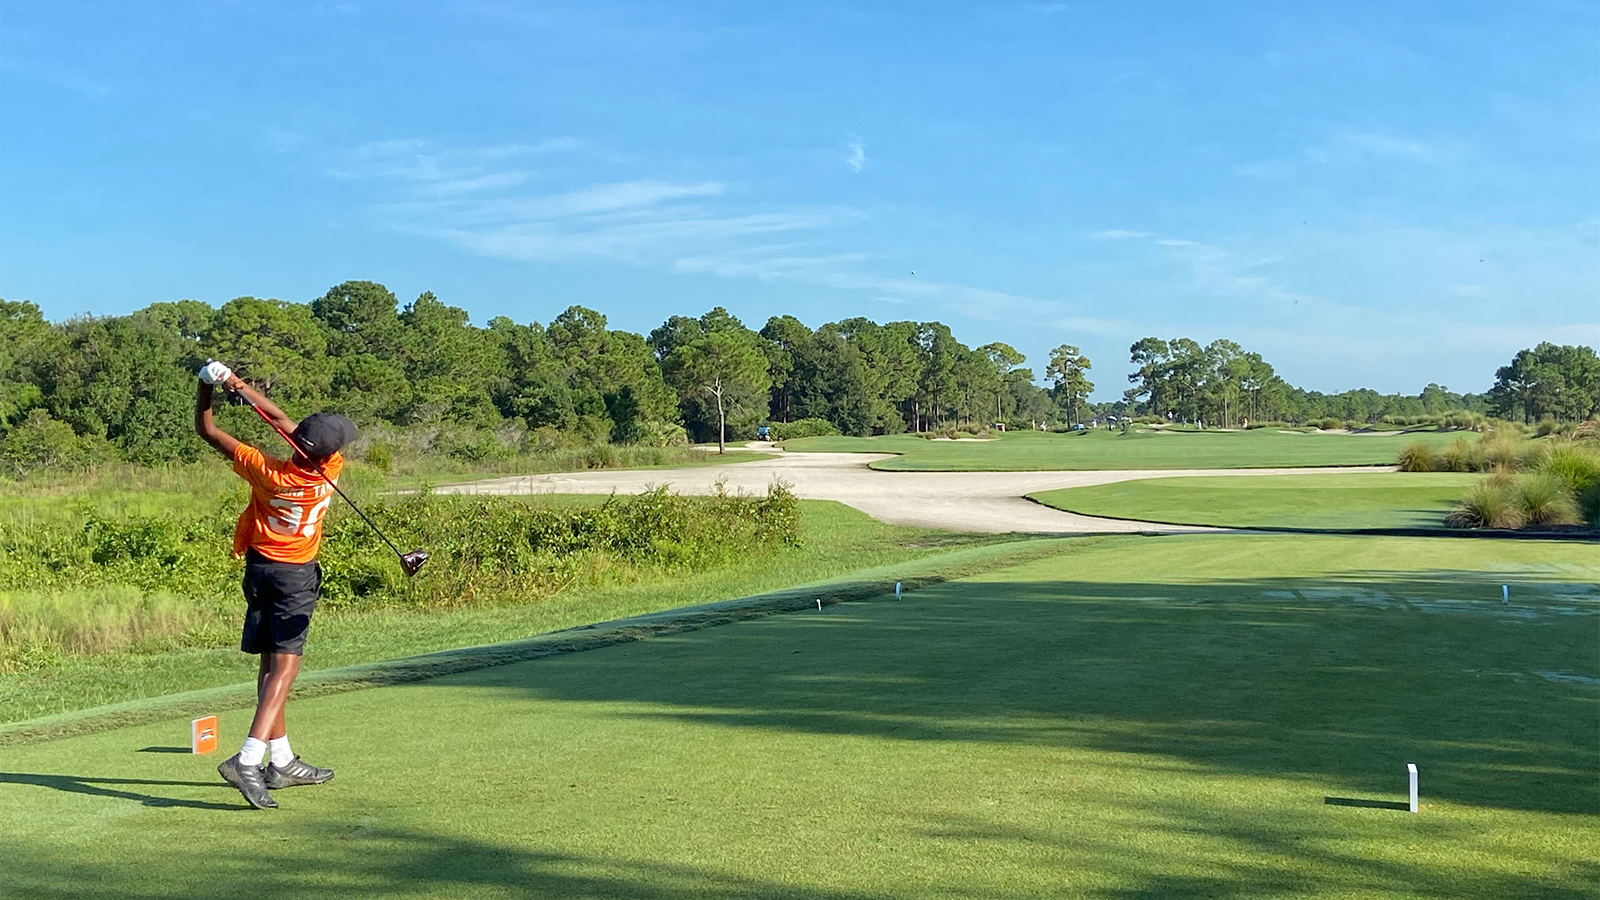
(250, 780)
(295, 772)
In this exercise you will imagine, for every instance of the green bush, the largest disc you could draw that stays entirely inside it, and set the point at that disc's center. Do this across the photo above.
(1545, 499)
(380, 456)
(1589, 506)
(470, 444)
(1460, 455)
(94, 582)
(801, 428)
(663, 434)
(1418, 457)
(1489, 504)
(1574, 464)
(44, 444)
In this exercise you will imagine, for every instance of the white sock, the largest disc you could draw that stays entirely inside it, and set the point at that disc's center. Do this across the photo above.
(281, 754)
(253, 752)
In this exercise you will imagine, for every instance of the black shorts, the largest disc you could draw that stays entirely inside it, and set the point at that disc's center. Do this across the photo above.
(279, 600)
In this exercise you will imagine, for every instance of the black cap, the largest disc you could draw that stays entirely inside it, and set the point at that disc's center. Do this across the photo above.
(320, 435)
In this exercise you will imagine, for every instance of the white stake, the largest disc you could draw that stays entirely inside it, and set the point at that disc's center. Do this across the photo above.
(1411, 770)
(897, 590)
(1505, 594)
(819, 604)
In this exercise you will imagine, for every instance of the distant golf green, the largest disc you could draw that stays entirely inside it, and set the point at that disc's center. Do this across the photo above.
(1194, 717)
(1101, 449)
(1353, 500)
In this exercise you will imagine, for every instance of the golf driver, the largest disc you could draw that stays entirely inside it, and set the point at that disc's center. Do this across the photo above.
(411, 562)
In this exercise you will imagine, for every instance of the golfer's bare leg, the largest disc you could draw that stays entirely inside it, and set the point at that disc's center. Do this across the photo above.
(278, 671)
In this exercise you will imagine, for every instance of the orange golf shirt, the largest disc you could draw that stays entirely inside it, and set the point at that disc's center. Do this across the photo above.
(284, 519)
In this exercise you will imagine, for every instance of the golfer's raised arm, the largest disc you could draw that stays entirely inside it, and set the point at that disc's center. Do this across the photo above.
(218, 373)
(278, 417)
(206, 427)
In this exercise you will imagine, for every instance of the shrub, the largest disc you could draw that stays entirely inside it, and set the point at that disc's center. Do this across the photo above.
(1575, 465)
(602, 456)
(42, 443)
(1544, 499)
(801, 428)
(663, 434)
(164, 580)
(1489, 504)
(1418, 457)
(1498, 453)
(380, 456)
(470, 444)
(1460, 456)
(1327, 423)
(1589, 506)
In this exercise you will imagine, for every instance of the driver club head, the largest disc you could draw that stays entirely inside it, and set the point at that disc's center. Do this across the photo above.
(413, 561)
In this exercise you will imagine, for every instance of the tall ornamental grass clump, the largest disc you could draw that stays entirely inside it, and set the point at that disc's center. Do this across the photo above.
(1558, 484)
(1418, 457)
(1545, 499)
(1489, 504)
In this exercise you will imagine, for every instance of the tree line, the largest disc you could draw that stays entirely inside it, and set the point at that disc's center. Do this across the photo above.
(127, 381)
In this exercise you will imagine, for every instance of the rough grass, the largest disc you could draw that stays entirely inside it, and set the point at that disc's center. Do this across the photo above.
(1354, 500)
(1179, 717)
(834, 540)
(1102, 449)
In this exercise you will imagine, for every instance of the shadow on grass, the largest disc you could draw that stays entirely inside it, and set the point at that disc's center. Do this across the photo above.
(1366, 804)
(381, 862)
(82, 784)
(1339, 681)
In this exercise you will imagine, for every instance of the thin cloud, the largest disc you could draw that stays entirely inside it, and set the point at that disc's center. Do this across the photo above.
(1389, 146)
(1347, 148)
(63, 77)
(282, 140)
(641, 242)
(858, 154)
(479, 183)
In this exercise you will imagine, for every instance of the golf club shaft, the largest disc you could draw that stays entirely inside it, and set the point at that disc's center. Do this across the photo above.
(296, 447)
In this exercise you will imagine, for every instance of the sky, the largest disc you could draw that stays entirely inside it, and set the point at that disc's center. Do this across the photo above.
(1372, 195)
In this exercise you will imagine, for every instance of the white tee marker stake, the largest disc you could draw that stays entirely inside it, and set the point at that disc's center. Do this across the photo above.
(1411, 770)
(897, 590)
(819, 604)
(1505, 594)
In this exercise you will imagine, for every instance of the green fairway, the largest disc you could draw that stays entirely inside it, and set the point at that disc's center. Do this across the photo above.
(1354, 500)
(1099, 449)
(1199, 716)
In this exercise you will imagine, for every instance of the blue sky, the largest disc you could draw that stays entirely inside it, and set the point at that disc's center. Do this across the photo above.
(1377, 195)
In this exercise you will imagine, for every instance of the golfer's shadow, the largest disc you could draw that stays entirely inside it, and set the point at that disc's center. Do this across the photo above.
(74, 784)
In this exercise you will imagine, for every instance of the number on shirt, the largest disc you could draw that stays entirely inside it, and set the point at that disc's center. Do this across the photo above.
(287, 517)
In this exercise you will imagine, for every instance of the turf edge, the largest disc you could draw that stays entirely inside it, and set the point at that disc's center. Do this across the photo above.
(1563, 533)
(862, 585)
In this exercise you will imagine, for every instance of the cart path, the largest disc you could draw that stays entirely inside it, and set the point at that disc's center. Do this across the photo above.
(985, 502)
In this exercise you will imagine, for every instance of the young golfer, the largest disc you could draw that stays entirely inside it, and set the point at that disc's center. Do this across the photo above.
(277, 535)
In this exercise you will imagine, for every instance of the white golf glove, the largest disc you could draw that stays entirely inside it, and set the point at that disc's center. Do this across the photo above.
(215, 373)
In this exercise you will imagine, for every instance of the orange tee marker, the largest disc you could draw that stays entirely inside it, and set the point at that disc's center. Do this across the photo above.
(203, 734)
